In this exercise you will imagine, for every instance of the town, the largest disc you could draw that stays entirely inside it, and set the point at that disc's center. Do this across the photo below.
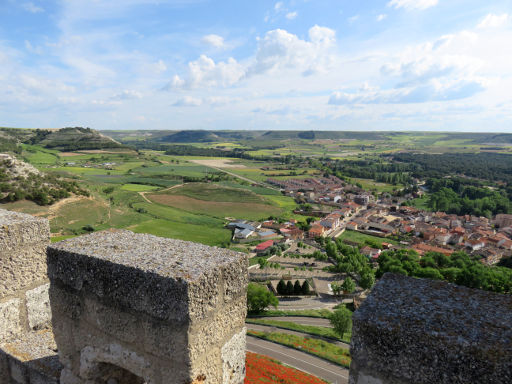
(339, 207)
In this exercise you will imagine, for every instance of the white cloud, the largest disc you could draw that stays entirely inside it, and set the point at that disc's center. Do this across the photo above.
(32, 8)
(213, 40)
(127, 94)
(204, 72)
(381, 17)
(353, 19)
(280, 49)
(291, 15)
(412, 4)
(278, 6)
(432, 91)
(188, 101)
(442, 70)
(494, 21)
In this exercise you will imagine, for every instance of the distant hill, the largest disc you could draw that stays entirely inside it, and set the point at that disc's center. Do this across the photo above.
(191, 137)
(413, 140)
(64, 139)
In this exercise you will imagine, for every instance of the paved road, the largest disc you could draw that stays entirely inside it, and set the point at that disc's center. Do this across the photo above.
(269, 328)
(300, 360)
(319, 322)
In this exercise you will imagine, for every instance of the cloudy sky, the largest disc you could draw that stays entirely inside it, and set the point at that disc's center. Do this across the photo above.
(294, 64)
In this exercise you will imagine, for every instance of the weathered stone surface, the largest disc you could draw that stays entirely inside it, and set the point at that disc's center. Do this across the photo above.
(426, 331)
(144, 272)
(233, 359)
(136, 307)
(23, 241)
(10, 320)
(38, 307)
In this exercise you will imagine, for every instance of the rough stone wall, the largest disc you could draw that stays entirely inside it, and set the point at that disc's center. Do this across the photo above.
(24, 300)
(166, 311)
(426, 331)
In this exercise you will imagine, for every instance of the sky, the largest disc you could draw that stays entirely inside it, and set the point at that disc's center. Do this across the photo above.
(430, 65)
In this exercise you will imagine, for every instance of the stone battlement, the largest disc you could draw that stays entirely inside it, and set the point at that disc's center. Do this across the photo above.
(167, 311)
(125, 308)
(427, 331)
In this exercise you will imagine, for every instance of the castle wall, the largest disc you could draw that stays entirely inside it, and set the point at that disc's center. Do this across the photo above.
(24, 299)
(166, 311)
(427, 331)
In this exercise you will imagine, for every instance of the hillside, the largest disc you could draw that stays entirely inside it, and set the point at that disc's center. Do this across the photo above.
(65, 139)
(19, 180)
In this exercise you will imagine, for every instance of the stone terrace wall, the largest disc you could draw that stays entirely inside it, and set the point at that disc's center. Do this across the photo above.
(150, 309)
(426, 331)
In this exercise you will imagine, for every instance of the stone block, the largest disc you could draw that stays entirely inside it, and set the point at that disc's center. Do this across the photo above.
(233, 359)
(158, 276)
(38, 307)
(19, 371)
(10, 326)
(156, 308)
(412, 330)
(23, 241)
(5, 377)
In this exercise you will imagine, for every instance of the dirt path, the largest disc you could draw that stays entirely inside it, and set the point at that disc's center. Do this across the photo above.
(53, 210)
(245, 178)
(143, 194)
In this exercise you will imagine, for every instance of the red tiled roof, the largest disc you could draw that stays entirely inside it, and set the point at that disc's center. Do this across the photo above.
(264, 245)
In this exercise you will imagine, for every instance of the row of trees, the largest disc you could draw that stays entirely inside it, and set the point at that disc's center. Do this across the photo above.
(259, 298)
(288, 289)
(459, 268)
(462, 197)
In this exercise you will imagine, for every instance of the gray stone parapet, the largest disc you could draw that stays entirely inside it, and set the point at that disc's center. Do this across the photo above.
(427, 331)
(24, 303)
(140, 307)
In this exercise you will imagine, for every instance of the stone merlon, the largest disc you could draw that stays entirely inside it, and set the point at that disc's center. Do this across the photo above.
(159, 276)
(426, 331)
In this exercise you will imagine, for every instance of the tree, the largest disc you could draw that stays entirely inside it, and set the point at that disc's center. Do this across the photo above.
(336, 288)
(341, 320)
(367, 280)
(348, 285)
(305, 288)
(289, 288)
(281, 287)
(297, 289)
(259, 298)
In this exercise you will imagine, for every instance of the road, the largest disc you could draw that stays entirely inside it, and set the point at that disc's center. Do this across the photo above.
(270, 328)
(300, 360)
(318, 322)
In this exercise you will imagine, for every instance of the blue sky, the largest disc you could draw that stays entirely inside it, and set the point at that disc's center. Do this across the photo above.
(297, 64)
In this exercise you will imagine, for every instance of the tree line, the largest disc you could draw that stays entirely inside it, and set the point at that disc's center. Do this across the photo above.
(459, 269)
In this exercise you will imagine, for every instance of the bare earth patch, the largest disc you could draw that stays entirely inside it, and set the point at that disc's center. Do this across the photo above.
(69, 154)
(219, 163)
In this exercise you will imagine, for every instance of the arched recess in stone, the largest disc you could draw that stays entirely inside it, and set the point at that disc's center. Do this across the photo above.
(113, 365)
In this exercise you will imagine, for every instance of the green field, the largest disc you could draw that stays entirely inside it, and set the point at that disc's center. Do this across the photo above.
(360, 238)
(182, 231)
(138, 187)
(218, 201)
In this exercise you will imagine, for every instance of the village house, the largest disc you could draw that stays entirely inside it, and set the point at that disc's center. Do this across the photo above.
(316, 230)
(262, 247)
